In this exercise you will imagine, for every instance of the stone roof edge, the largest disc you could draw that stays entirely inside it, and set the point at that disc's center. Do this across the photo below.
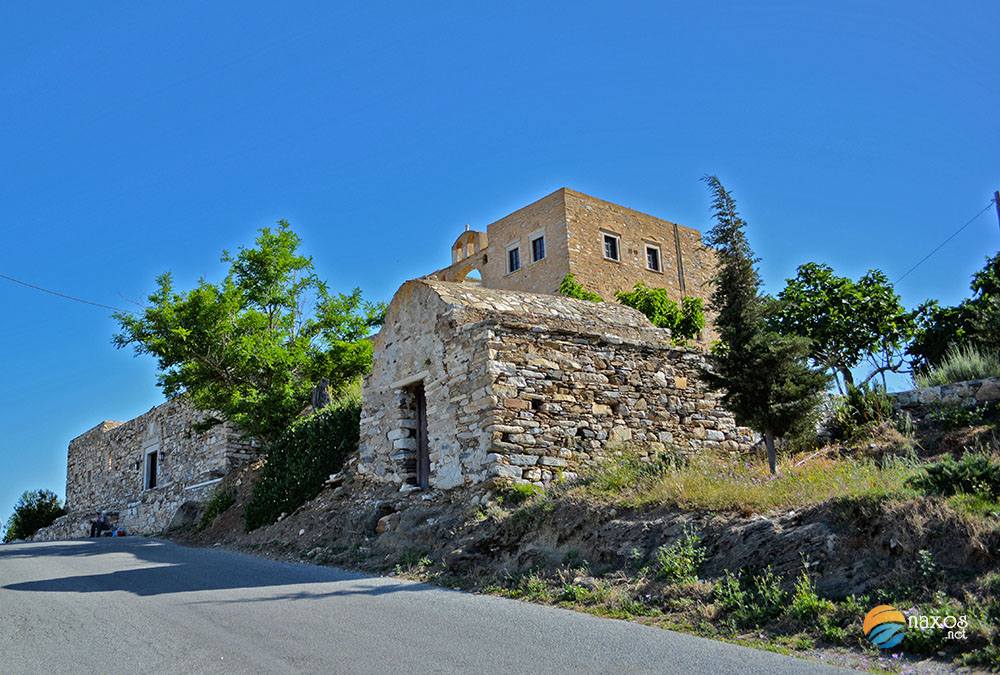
(444, 293)
(119, 424)
(660, 340)
(584, 195)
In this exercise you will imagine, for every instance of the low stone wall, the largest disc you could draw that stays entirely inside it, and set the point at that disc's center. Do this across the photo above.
(152, 512)
(965, 394)
(108, 469)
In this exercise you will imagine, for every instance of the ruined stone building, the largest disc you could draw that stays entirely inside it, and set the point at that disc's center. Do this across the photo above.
(470, 383)
(607, 247)
(148, 471)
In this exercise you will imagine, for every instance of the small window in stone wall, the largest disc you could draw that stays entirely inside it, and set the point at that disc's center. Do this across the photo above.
(537, 246)
(653, 258)
(611, 245)
(513, 258)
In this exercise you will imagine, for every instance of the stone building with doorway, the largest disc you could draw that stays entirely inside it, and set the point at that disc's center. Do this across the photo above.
(606, 246)
(470, 383)
(148, 473)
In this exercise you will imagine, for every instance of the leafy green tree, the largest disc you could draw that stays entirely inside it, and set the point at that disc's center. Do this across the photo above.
(253, 346)
(685, 320)
(34, 510)
(974, 322)
(572, 288)
(846, 321)
(764, 375)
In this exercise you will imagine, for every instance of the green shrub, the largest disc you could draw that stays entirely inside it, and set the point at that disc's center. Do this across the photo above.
(750, 600)
(301, 459)
(34, 510)
(219, 503)
(806, 605)
(961, 363)
(518, 493)
(572, 288)
(932, 639)
(679, 562)
(976, 473)
(862, 410)
(988, 656)
(574, 593)
(685, 320)
(949, 417)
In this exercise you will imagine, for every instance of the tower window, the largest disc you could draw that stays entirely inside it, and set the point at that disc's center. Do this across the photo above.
(653, 258)
(611, 246)
(513, 258)
(537, 248)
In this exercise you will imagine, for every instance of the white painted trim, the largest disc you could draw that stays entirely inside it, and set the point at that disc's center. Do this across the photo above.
(410, 379)
(618, 239)
(203, 484)
(659, 257)
(537, 234)
(506, 262)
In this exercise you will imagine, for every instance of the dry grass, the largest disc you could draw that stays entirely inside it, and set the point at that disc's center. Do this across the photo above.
(718, 484)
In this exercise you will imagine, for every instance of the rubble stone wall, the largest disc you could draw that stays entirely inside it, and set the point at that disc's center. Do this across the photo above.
(529, 387)
(966, 394)
(106, 466)
(568, 402)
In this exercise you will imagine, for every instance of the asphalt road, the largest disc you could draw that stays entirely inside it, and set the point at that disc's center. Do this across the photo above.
(136, 605)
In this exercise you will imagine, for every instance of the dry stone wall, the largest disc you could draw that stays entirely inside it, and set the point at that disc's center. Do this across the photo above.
(967, 394)
(106, 468)
(567, 402)
(528, 387)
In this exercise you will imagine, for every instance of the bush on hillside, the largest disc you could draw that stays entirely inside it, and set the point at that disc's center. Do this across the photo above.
(34, 510)
(218, 504)
(961, 363)
(861, 411)
(301, 459)
(974, 473)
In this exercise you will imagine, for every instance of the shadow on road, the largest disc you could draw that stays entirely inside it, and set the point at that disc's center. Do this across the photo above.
(147, 567)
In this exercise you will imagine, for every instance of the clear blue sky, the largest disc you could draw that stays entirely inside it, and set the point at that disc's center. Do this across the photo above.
(139, 140)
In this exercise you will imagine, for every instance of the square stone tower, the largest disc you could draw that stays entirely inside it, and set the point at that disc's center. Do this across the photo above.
(606, 246)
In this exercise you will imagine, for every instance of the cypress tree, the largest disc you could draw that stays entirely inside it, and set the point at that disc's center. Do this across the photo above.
(764, 376)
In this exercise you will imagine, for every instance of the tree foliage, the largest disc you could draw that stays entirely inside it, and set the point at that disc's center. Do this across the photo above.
(301, 459)
(34, 510)
(764, 375)
(846, 321)
(252, 346)
(974, 322)
(572, 288)
(685, 320)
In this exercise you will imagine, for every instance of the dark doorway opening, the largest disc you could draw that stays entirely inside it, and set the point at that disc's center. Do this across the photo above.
(423, 472)
(151, 458)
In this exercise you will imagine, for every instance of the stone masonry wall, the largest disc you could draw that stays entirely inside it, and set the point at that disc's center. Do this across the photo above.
(547, 215)
(573, 224)
(528, 386)
(421, 341)
(568, 402)
(588, 218)
(966, 394)
(105, 465)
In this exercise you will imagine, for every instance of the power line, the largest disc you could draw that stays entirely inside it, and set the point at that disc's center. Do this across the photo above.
(61, 295)
(941, 245)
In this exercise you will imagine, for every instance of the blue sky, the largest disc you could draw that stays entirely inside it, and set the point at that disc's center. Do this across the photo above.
(135, 140)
